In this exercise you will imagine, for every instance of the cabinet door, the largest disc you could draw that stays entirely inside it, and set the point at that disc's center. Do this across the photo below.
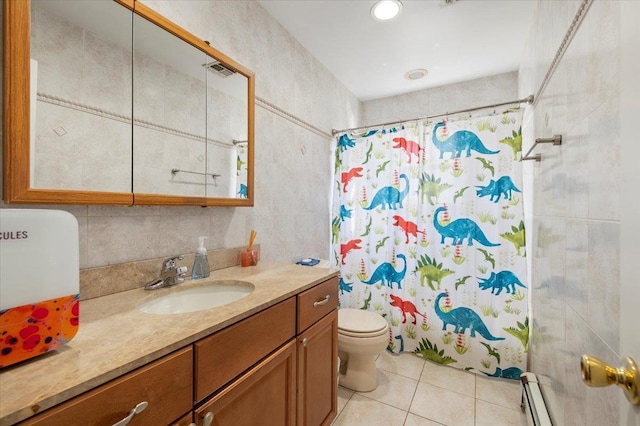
(317, 372)
(264, 395)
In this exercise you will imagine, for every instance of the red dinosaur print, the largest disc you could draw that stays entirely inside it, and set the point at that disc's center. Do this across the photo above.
(410, 147)
(346, 177)
(407, 308)
(407, 227)
(346, 248)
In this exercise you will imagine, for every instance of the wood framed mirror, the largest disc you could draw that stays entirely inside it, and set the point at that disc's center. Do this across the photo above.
(108, 102)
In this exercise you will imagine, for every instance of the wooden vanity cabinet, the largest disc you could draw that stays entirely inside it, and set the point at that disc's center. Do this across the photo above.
(296, 384)
(166, 384)
(317, 353)
(276, 367)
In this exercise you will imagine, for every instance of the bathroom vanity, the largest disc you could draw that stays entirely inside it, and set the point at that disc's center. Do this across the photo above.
(268, 358)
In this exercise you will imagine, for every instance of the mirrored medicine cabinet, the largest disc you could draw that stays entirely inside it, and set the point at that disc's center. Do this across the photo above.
(108, 102)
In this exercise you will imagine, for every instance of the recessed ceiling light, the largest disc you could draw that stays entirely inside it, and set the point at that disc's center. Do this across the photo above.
(384, 10)
(416, 74)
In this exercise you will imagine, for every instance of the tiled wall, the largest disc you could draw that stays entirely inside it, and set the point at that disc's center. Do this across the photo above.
(574, 206)
(452, 97)
(291, 212)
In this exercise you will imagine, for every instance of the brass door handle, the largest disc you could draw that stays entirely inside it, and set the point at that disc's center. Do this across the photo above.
(597, 373)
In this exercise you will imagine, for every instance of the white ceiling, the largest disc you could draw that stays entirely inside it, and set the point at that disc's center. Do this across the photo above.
(465, 40)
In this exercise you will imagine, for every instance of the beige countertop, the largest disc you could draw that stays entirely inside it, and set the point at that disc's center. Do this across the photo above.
(115, 337)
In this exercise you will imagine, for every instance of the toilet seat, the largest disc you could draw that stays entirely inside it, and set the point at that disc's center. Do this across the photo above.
(360, 323)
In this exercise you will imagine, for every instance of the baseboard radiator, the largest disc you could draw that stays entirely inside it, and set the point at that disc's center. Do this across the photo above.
(533, 404)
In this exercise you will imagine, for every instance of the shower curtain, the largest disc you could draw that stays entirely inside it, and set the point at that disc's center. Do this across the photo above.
(428, 231)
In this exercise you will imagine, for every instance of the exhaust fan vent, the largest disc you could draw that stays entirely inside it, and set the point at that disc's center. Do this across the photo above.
(219, 69)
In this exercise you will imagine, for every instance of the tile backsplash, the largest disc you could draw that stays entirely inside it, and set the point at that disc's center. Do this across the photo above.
(104, 280)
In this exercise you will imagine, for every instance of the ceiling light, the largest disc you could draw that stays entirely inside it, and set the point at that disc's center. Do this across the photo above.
(384, 10)
(416, 74)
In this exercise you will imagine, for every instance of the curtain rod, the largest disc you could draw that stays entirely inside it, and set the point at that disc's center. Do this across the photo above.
(527, 100)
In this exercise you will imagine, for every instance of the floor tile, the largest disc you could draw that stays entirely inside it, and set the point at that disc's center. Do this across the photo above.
(488, 414)
(393, 389)
(344, 395)
(443, 406)
(364, 411)
(413, 420)
(405, 364)
(507, 393)
(449, 378)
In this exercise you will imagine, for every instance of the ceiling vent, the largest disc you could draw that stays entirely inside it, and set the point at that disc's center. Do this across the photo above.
(219, 68)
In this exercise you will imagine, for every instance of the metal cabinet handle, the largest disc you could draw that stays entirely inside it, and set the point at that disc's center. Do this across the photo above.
(136, 410)
(597, 373)
(322, 302)
(304, 342)
(208, 419)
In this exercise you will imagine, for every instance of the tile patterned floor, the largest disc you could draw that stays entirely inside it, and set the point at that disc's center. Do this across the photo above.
(415, 392)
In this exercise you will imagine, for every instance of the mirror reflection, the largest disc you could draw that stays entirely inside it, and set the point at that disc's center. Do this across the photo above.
(80, 95)
(227, 124)
(120, 105)
(169, 109)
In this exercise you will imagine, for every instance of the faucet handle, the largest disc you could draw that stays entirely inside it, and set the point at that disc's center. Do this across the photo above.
(170, 263)
(182, 271)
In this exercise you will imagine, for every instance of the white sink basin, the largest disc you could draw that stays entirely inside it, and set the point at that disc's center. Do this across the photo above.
(196, 298)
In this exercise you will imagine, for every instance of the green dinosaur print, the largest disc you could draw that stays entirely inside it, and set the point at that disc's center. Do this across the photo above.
(429, 351)
(515, 142)
(459, 193)
(431, 271)
(381, 243)
(367, 301)
(488, 257)
(486, 164)
(367, 228)
(517, 238)
(492, 351)
(462, 281)
(368, 154)
(335, 229)
(239, 164)
(521, 333)
(430, 187)
(382, 167)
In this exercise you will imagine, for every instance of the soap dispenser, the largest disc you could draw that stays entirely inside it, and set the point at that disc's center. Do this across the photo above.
(201, 263)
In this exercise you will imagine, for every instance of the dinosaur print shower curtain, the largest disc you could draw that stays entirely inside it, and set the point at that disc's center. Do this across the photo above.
(428, 231)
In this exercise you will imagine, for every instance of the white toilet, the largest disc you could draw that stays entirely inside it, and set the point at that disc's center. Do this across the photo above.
(361, 336)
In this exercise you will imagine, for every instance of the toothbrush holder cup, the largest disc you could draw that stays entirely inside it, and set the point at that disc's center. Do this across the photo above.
(248, 258)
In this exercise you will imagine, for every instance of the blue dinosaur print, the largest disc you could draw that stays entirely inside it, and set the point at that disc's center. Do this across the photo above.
(463, 318)
(497, 188)
(344, 213)
(243, 192)
(345, 143)
(345, 286)
(390, 196)
(462, 140)
(460, 229)
(512, 373)
(399, 337)
(502, 280)
(385, 273)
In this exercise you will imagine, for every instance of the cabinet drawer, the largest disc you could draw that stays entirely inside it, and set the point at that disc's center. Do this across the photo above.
(317, 302)
(165, 384)
(221, 357)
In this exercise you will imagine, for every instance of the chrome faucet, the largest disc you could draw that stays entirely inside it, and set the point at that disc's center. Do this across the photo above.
(170, 274)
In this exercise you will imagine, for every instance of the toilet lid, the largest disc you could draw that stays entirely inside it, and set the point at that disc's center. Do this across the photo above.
(360, 323)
